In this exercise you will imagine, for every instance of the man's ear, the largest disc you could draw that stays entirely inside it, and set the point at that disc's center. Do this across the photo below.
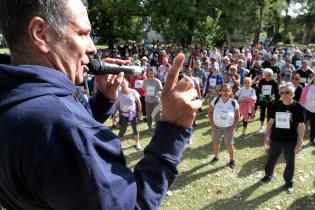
(38, 34)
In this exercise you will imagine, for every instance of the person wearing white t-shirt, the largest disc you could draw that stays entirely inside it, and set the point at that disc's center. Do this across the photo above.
(224, 116)
(308, 101)
(129, 106)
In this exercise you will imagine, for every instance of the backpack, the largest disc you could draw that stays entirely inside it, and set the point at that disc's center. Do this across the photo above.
(218, 98)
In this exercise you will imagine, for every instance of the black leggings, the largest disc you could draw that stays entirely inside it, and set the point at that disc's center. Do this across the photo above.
(246, 122)
(263, 108)
(124, 124)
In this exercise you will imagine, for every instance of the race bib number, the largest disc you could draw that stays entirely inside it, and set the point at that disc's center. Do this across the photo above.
(126, 108)
(213, 82)
(283, 120)
(299, 63)
(266, 90)
(222, 119)
(138, 83)
(150, 91)
(303, 80)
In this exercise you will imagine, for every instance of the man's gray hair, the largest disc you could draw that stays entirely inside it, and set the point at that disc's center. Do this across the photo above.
(15, 16)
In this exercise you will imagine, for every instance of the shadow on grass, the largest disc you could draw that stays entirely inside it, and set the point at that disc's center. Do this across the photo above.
(190, 176)
(203, 151)
(239, 201)
(304, 203)
(252, 166)
(256, 164)
(198, 153)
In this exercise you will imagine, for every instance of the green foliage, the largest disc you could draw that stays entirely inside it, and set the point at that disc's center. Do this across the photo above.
(202, 21)
(114, 20)
(208, 32)
(277, 37)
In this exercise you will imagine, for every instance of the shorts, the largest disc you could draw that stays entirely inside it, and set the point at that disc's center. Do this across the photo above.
(228, 136)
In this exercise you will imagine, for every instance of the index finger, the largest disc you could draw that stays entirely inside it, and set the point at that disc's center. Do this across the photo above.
(117, 61)
(173, 72)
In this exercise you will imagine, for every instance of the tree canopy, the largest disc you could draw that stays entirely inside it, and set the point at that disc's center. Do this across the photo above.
(202, 21)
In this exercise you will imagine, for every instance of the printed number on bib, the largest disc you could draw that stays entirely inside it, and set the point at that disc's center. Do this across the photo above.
(223, 119)
(266, 90)
(283, 120)
(213, 82)
(126, 108)
(138, 83)
(302, 80)
(151, 91)
(299, 63)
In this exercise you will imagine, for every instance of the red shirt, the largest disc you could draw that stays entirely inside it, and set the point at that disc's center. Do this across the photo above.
(136, 82)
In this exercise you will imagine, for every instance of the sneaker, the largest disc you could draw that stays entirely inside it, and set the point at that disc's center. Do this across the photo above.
(138, 146)
(243, 136)
(290, 189)
(214, 161)
(232, 164)
(262, 129)
(265, 180)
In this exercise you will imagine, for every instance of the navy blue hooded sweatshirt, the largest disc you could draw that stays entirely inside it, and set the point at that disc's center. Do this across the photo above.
(55, 153)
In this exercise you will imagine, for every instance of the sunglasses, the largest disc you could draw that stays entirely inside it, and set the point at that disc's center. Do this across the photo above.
(224, 90)
(286, 92)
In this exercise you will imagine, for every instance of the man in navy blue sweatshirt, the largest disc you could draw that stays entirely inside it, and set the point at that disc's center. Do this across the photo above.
(55, 152)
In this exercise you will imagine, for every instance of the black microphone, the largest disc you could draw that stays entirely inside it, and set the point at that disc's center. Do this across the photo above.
(97, 66)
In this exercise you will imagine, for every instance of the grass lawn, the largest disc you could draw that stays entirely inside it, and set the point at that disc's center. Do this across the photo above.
(203, 186)
(4, 50)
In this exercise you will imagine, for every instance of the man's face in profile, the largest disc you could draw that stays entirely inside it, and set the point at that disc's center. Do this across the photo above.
(69, 53)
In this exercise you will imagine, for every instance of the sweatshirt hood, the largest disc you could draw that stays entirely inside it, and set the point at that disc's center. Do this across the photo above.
(19, 83)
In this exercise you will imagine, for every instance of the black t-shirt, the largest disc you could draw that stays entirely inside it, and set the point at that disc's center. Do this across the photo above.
(298, 92)
(304, 74)
(267, 99)
(286, 120)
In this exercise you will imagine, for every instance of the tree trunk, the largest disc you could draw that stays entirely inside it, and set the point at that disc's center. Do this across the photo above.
(309, 30)
(258, 29)
(286, 23)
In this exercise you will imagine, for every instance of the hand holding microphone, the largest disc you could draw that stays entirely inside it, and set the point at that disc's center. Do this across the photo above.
(97, 67)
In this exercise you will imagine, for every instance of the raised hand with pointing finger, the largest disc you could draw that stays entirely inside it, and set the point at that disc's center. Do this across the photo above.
(179, 97)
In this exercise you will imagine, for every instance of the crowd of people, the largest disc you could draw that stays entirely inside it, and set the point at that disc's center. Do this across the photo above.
(56, 152)
(234, 82)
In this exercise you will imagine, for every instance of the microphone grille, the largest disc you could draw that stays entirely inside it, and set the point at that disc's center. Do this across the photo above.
(94, 65)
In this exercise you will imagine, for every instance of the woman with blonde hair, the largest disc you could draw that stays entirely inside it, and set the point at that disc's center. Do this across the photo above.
(246, 98)
(234, 79)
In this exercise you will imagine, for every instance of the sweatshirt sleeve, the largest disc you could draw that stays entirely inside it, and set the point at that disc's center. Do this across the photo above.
(158, 169)
(86, 169)
(101, 107)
